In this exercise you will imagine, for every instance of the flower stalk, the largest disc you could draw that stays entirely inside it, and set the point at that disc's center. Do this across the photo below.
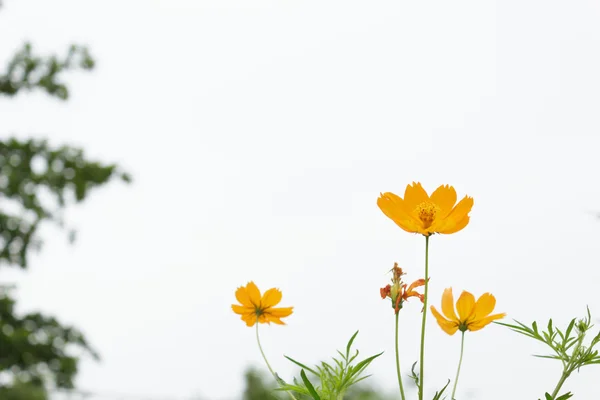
(402, 396)
(462, 347)
(424, 320)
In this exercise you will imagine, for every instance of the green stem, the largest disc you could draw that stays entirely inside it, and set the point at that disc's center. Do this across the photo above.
(424, 318)
(562, 380)
(398, 362)
(462, 347)
(267, 361)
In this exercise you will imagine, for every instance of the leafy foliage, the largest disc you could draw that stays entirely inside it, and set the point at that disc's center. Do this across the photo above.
(38, 180)
(27, 71)
(23, 391)
(567, 346)
(336, 379)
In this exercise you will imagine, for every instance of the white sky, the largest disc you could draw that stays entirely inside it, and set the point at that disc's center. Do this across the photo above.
(260, 134)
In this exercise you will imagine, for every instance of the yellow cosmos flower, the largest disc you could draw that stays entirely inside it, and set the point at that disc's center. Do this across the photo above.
(255, 308)
(420, 213)
(472, 315)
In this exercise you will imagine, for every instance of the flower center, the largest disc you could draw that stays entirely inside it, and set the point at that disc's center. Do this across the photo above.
(427, 212)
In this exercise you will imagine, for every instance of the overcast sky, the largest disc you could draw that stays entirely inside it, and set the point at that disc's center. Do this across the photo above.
(260, 133)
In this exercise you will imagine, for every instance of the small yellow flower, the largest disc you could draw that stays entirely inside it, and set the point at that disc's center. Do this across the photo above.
(255, 308)
(472, 315)
(420, 213)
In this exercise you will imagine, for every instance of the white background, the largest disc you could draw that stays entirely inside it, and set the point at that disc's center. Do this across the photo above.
(260, 133)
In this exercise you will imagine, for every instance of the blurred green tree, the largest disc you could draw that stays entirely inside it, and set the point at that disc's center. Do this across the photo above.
(37, 183)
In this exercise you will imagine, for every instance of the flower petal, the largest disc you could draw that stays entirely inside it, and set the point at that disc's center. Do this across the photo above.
(484, 306)
(445, 198)
(274, 319)
(415, 284)
(249, 319)
(280, 312)
(448, 305)
(241, 294)
(271, 298)
(462, 209)
(450, 327)
(394, 208)
(465, 306)
(451, 226)
(253, 294)
(414, 195)
(477, 325)
(242, 309)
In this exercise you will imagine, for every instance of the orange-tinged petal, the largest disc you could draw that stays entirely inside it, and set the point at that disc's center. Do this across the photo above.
(241, 294)
(480, 324)
(280, 312)
(416, 284)
(271, 298)
(262, 319)
(450, 327)
(465, 306)
(484, 306)
(393, 207)
(445, 198)
(448, 305)
(253, 294)
(242, 309)
(414, 195)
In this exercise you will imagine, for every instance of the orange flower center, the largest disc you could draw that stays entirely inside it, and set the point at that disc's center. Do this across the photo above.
(426, 211)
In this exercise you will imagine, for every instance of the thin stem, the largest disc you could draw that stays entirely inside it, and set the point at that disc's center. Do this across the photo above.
(462, 347)
(267, 361)
(398, 363)
(424, 318)
(562, 380)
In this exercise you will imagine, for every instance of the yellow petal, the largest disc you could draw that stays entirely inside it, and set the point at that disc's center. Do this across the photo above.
(249, 319)
(462, 209)
(449, 327)
(393, 207)
(274, 319)
(451, 226)
(465, 306)
(241, 294)
(280, 312)
(262, 319)
(241, 309)
(484, 306)
(271, 298)
(253, 294)
(448, 305)
(445, 198)
(477, 325)
(414, 195)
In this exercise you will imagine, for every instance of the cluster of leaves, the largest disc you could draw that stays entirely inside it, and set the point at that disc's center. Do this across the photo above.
(567, 346)
(23, 391)
(39, 179)
(334, 380)
(36, 182)
(27, 71)
(38, 349)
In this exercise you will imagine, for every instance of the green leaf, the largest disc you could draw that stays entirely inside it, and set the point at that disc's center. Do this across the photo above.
(438, 395)
(350, 344)
(309, 386)
(302, 365)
